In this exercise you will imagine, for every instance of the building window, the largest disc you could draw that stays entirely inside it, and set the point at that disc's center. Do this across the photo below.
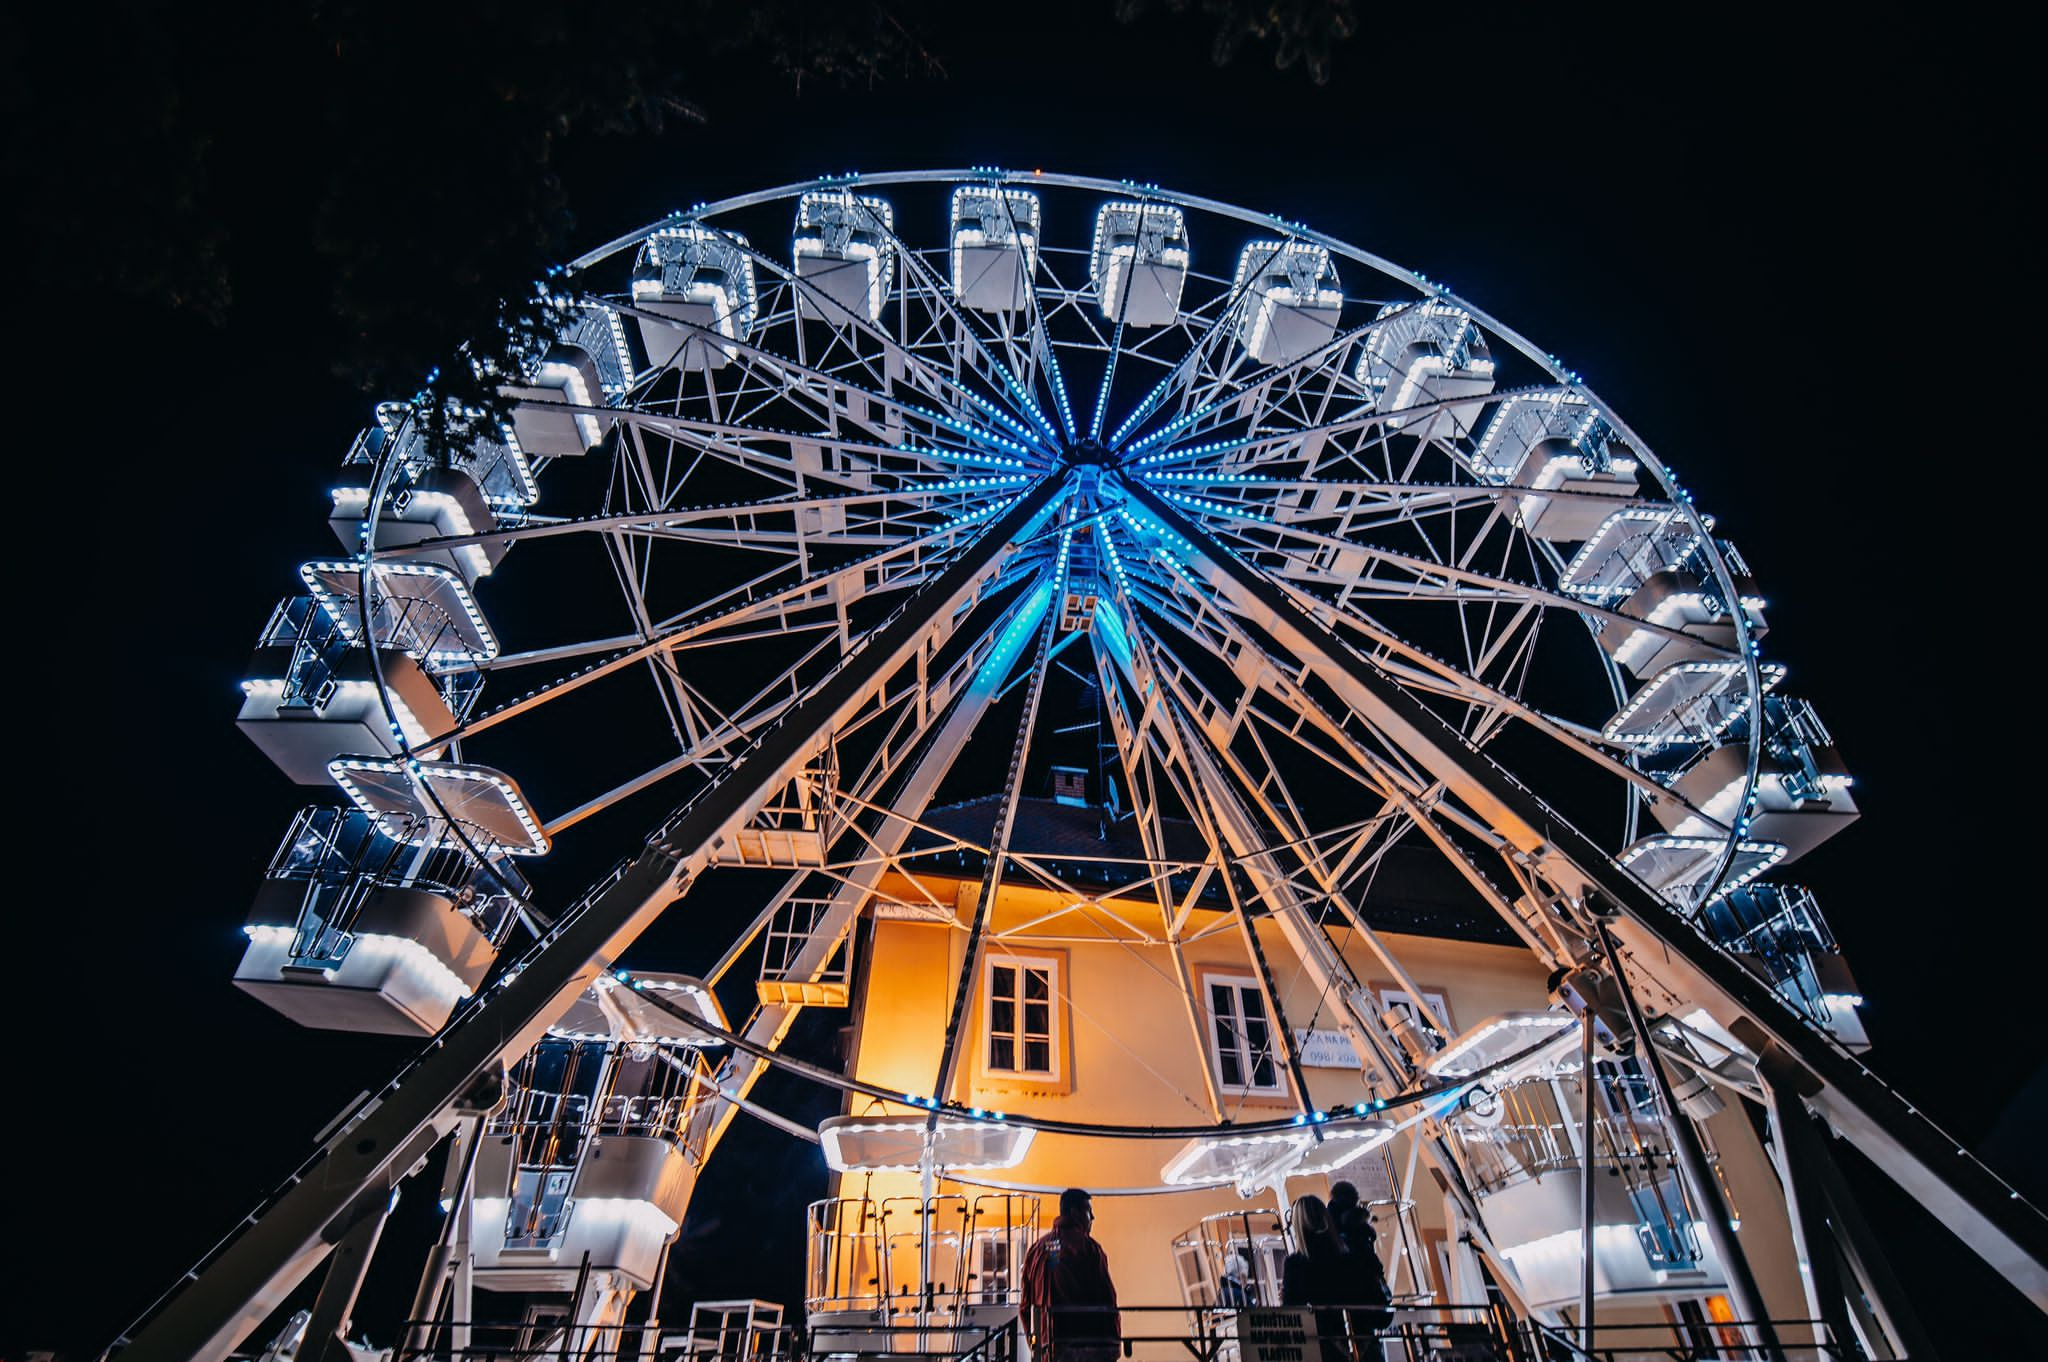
(1394, 998)
(1241, 1036)
(1019, 990)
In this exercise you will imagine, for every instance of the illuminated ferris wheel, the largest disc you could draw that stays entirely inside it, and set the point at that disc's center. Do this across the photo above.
(824, 495)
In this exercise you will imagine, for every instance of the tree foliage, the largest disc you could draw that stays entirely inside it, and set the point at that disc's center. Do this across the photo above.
(403, 162)
(1304, 32)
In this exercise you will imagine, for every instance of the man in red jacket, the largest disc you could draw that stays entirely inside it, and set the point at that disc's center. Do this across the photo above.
(1069, 1300)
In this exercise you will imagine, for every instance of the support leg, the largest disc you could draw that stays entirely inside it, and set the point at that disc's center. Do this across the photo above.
(346, 1268)
(1692, 1158)
(1586, 1184)
(426, 1302)
(1811, 1237)
(1960, 1191)
(212, 1311)
(1833, 1225)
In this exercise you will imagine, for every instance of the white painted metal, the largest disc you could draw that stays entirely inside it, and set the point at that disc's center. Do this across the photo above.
(1312, 514)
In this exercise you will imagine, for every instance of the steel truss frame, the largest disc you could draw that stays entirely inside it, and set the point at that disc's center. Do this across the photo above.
(932, 465)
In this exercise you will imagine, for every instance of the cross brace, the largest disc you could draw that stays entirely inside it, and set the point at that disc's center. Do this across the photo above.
(217, 1306)
(2010, 1234)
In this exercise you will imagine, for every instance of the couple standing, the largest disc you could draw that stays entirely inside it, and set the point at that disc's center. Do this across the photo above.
(1070, 1307)
(1336, 1262)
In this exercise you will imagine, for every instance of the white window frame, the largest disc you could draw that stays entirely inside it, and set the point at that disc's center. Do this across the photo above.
(1241, 986)
(1435, 999)
(1018, 1036)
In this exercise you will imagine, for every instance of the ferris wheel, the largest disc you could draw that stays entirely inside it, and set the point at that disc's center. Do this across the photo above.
(820, 497)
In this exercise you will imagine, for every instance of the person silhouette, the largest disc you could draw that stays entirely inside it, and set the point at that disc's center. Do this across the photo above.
(1366, 1279)
(1070, 1311)
(1315, 1274)
(1235, 1291)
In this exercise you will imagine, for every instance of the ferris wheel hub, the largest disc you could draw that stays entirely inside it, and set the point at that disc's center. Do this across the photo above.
(1090, 452)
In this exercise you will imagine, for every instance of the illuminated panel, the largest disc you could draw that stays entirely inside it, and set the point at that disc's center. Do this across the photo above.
(486, 801)
(895, 1144)
(1627, 549)
(1544, 1034)
(616, 1007)
(1341, 1146)
(1250, 1159)
(1676, 866)
(1557, 422)
(422, 609)
(1688, 702)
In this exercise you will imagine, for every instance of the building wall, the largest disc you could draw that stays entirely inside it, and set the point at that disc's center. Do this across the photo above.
(1130, 1056)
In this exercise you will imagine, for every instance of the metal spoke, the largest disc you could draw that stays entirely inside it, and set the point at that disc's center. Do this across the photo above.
(1332, 595)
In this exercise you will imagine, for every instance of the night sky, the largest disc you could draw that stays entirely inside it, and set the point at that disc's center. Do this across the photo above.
(1776, 244)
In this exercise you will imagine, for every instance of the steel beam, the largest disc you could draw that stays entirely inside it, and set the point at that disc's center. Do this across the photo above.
(220, 1303)
(771, 1024)
(1692, 1159)
(1234, 840)
(1988, 1215)
(1848, 1276)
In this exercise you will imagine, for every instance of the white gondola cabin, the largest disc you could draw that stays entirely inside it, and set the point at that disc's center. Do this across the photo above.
(693, 296)
(1523, 1144)
(1556, 443)
(1425, 354)
(1646, 563)
(844, 250)
(1288, 299)
(583, 1174)
(312, 694)
(561, 392)
(463, 493)
(995, 247)
(357, 930)
(1139, 262)
(1801, 795)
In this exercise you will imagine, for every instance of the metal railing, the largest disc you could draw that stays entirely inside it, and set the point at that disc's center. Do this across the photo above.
(968, 1343)
(1799, 1340)
(1792, 737)
(903, 1258)
(498, 471)
(344, 856)
(1484, 1332)
(1529, 1133)
(794, 924)
(1778, 933)
(320, 646)
(540, 1340)
(563, 1092)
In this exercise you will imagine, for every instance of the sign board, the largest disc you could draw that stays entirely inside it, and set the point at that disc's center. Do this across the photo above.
(1326, 1050)
(1277, 1336)
(1372, 1175)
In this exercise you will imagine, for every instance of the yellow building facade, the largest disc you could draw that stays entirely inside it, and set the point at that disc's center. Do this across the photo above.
(1104, 1009)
